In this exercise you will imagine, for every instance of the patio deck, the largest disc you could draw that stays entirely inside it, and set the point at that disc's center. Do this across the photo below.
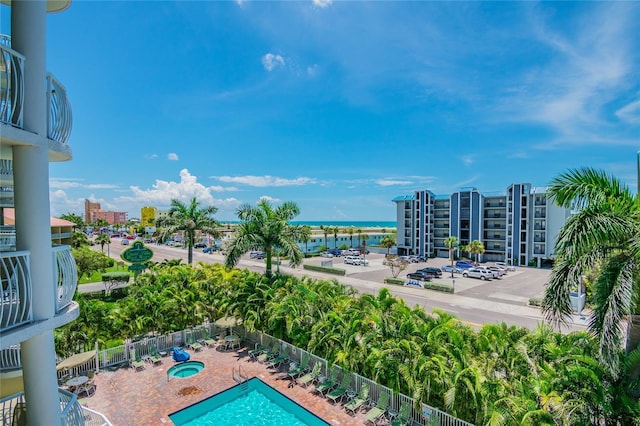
(147, 397)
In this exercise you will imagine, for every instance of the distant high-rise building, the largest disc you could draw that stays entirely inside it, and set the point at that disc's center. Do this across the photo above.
(518, 226)
(93, 212)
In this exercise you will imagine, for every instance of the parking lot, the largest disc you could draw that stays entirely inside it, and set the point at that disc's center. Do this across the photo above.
(516, 287)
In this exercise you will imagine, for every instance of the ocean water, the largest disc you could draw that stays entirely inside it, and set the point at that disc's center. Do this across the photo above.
(345, 224)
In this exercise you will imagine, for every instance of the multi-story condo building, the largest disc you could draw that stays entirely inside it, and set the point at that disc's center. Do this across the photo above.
(519, 226)
(37, 280)
(93, 212)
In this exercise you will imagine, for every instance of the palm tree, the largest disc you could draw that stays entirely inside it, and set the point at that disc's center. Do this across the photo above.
(351, 230)
(475, 247)
(265, 227)
(325, 230)
(387, 242)
(103, 239)
(451, 242)
(335, 230)
(303, 235)
(602, 237)
(188, 219)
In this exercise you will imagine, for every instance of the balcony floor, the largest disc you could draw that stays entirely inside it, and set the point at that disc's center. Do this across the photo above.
(146, 397)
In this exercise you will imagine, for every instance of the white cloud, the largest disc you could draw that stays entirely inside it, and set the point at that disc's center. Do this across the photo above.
(630, 112)
(467, 160)
(312, 70)
(322, 3)
(269, 199)
(271, 61)
(75, 183)
(151, 156)
(172, 156)
(264, 181)
(390, 182)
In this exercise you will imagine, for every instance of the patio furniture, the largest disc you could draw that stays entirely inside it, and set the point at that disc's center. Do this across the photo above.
(355, 403)
(380, 409)
(193, 344)
(154, 358)
(328, 383)
(404, 416)
(134, 360)
(300, 368)
(309, 377)
(277, 361)
(339, 392)
(271, 353)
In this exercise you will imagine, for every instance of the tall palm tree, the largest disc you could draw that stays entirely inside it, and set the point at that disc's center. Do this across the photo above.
(265, 227)
(451, 242)
(475, 247)
(189, 219)
(603, 237)
(103, 239)
(303, 235)
(325, 230)
(335, 230)
(351, 230)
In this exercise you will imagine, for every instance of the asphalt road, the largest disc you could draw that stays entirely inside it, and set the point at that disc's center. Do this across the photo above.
(475, 302)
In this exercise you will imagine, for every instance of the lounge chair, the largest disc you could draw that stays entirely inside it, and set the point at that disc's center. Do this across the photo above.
(90, 385)
(339, 392)
(257, 350)
(270, 354)
(357, 402)
(193, 344)
(282, 357)
(404, 417)
(328, 383)
(378, 411)
(309, 377)
(300, 368)
(207, 339)
(154, 358)
(134, 360)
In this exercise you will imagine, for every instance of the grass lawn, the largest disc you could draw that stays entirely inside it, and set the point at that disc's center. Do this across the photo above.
(96, 277)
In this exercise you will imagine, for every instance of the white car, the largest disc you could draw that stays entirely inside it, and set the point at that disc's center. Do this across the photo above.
(355, 260)
(478, 273)
(504, 265)
(495, 272)
(326, 254)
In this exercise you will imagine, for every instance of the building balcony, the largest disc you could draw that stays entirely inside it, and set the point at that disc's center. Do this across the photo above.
(12, 65)
(17, 288)
(72, 413)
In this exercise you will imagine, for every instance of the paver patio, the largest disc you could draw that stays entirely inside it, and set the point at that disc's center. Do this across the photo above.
(147, 397)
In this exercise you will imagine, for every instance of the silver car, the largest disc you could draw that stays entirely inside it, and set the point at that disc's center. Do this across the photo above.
(478, 273)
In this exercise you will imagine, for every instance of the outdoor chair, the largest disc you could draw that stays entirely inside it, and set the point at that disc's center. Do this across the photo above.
(257, 350)
(208, 340)
(154, 358)
(193, 344)
(340, 391)
(134, 361)
(380, 409)
(300, 368)
(404, 416)
(270, 354)
(282, 357)
(361, 399)
(309, 377)
(90, 385)
(328, 383)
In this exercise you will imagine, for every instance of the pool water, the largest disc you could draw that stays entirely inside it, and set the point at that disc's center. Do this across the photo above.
(186, 369)
(252, 403)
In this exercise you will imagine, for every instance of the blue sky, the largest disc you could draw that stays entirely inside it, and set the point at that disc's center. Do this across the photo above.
(338, 106)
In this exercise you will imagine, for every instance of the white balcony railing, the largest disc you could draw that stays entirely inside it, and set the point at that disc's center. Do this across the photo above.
(11, 84)
(15, 279)
(58, 111)
(66, 274)
(12, 66)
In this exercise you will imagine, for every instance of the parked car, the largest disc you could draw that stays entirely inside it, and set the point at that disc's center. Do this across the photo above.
(449, 268)
(504, 265)
(495, 273)
(408, 259)
(436, 272)
(336, 252)
(500, 269)
(422, 276)
(478, 273)
(415, 258)
(208, 250)
(464, 264)
(125, 242)
(361, 250)
(326, 254)
(350, 252)
(200, 244)
(414, 283)
(257, 255)
(355, 260)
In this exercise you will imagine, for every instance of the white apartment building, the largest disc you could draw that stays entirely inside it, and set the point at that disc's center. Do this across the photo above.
(38, 281)
(519, 226)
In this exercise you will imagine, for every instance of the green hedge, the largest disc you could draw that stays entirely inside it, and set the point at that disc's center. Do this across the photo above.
(535, 301)
(438, 287)
(398, 281)
(335, 271)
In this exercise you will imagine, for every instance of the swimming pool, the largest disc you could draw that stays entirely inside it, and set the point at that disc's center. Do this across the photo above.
(250, 403)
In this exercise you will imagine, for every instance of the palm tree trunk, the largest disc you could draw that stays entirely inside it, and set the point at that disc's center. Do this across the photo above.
(633, 332)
